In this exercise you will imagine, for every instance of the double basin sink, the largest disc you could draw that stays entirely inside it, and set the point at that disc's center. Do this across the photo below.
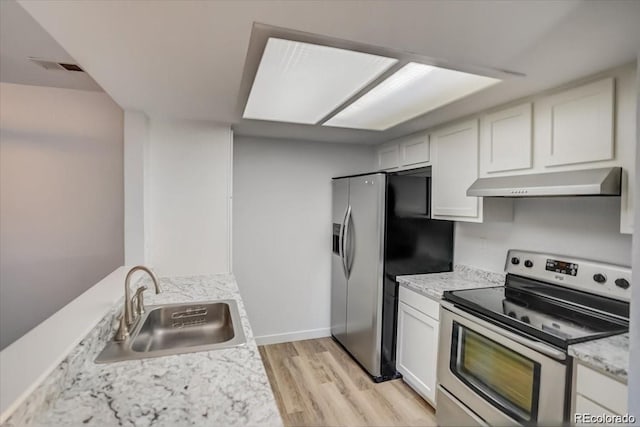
(165, 330)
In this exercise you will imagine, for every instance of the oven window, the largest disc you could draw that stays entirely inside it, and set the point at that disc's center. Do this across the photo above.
(505, 378)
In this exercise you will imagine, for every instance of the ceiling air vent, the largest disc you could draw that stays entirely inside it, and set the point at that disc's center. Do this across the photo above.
(70, 67)
(53, 65)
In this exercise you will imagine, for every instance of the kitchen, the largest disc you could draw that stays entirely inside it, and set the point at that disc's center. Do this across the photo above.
(210, 165)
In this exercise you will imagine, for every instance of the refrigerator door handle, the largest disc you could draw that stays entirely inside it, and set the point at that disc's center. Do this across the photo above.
(341, 242)
(345, 238)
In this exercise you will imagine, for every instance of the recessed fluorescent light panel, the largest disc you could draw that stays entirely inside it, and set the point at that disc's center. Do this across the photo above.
(302, 83)
(413, 90)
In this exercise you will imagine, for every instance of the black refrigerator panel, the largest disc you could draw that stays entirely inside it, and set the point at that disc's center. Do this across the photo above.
(414, 244)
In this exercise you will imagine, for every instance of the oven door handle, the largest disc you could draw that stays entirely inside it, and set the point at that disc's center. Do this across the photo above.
(535, 345)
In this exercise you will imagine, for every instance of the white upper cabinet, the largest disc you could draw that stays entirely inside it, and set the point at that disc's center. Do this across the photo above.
(454, 152)
(506, 140)
(588, 126)
(405, 153)
(388, 157)
(577, 125)
(415, 150)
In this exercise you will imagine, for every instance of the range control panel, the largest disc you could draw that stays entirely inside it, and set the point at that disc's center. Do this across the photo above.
(562, 267)
(610, 280)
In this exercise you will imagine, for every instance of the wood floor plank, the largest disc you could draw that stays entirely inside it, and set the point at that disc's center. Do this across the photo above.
(272, 380)
(316, 402)
(316, 383)
(283, 381)
(357, 375)
(312, 353)
(349, 390)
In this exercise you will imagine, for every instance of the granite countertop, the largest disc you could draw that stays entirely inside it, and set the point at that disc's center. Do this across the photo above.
(609, 354)
(462, 277)
(221, 387)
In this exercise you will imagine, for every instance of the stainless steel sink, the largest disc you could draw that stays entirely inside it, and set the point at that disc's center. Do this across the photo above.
(179, 328)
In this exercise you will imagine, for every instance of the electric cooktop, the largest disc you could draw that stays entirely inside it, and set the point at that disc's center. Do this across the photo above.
(557, 315)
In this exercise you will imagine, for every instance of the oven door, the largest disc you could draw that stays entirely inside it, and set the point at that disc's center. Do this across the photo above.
(502, 377)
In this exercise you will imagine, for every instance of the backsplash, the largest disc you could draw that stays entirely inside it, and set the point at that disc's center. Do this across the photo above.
(584, 227)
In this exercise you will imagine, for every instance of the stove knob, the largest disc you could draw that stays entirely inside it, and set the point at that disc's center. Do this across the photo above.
(599, 278)
(528, 263)
(512, 314)
(515, 260)
(525, 319)
(623, 283)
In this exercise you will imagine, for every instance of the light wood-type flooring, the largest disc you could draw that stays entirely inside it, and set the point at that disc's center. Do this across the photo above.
(317, 384)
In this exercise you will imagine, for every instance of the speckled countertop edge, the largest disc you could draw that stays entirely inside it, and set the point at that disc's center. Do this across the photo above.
(222, 387)
(610, 355)
(462, 277)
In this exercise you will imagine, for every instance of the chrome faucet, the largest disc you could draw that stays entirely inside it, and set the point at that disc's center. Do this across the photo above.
(130, 315)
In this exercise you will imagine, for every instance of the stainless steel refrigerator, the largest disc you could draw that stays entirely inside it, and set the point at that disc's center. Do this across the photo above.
(381, 228)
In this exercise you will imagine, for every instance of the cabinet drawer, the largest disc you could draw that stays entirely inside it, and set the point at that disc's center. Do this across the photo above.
(586, 406)
(420, 302)
(601, 389)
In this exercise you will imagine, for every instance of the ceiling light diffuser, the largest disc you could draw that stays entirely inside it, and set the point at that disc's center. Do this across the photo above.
(302, 83)
(413, 90)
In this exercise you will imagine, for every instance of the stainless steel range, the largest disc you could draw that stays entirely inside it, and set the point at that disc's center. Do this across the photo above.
(504, 357)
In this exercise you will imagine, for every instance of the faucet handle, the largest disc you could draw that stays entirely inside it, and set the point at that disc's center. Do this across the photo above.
(138, 301)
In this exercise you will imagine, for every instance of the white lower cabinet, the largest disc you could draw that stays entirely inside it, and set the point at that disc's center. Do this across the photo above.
(596, 393)
(417, 344)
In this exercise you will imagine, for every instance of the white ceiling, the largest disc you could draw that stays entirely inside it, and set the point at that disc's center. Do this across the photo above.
(186, 58)
(22, 37)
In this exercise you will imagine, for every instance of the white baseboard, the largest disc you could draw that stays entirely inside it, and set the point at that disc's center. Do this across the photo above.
(293, 336)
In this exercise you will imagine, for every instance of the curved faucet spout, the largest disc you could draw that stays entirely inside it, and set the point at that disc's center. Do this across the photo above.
(128, 307)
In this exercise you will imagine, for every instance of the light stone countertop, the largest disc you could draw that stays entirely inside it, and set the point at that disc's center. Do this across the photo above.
(222, 387)
(609, 354)
(462, 277)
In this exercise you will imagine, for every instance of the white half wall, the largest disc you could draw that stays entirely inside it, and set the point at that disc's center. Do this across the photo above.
(586, 227)
(61, 199)
(187, 214)
(282, 231)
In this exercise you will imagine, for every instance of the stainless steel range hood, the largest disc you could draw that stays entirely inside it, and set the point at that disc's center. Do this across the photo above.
(585, 182)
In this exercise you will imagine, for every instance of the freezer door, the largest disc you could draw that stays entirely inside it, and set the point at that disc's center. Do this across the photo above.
(338, 266)
(364, 234)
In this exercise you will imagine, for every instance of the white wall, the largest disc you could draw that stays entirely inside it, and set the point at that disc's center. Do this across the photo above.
(282, 231)
(61, 199)
(188, 208)
(585, 227)
(136, 191)
(634, 327)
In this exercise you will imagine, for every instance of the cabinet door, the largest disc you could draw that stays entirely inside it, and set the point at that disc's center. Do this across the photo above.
(577, 125)
(601, 389)
(454, 168)
(388, 157)
(506, 142)
(415, 150)
(417, 350)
